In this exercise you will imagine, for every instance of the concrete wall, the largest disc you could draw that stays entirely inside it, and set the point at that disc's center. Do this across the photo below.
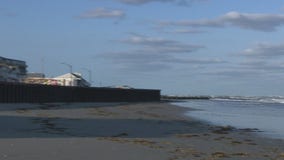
(31, 93)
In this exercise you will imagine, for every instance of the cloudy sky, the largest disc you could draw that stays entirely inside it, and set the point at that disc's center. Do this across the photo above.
(183, 47)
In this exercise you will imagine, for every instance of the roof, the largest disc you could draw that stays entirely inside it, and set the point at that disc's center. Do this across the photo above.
(68, 75)
(12, 60)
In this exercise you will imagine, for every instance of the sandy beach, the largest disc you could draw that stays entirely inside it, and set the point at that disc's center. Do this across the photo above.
(120, 131)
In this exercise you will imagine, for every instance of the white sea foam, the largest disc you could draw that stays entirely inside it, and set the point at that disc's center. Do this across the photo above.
(271, 99)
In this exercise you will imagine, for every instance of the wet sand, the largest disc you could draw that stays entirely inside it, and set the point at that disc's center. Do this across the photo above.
(105, 131)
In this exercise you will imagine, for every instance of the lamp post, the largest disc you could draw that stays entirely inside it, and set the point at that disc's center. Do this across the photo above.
(70, 67)
(90, 75)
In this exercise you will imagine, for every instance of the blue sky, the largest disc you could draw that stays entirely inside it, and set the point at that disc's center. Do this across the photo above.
(183, 47)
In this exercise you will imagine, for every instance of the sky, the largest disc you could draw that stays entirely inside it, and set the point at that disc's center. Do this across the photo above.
(183, 47)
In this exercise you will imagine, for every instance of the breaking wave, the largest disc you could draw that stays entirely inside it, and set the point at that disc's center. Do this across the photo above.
(266, 99)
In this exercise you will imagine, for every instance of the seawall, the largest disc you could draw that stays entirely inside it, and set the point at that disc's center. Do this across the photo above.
(32, 93)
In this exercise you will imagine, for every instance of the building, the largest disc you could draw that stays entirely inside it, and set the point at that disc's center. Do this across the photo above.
(72, 79)
(39, 78)
(12, 70)
(69, 79)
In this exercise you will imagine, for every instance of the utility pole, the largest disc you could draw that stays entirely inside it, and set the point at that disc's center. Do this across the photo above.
(90, 75)
(68, 65)
(71, 71)
(42, 65)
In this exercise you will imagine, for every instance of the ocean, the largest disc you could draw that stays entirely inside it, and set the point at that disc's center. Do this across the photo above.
(263, 113)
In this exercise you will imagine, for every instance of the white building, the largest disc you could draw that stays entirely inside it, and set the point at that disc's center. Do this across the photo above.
(12, 70)
(69, 79)
(72, 79)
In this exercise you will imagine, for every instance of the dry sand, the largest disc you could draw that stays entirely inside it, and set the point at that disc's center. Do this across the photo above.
(121, 131)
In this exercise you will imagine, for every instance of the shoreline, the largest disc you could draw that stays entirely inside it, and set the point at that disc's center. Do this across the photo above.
(220, 117)
(159, 131)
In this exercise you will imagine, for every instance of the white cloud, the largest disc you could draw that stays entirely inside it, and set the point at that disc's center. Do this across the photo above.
(141, 60)
(143, 40)
(261, 22)
(266, 66)
(186, 31)
(235, 73)
(137, 60)
(102, 13)
(140, 2)
(261, 59)
(161, 45)
(156, 54)
(197, 61)
(136, 2)
(251, 21)
(265, 50)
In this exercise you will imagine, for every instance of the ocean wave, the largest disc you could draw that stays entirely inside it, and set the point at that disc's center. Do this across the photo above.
(263, 99)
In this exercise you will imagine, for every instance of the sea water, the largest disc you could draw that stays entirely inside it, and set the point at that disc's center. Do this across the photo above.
(263, 113)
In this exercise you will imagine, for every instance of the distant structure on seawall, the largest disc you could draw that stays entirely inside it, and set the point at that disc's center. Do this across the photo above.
(174, 97)
(12, 70)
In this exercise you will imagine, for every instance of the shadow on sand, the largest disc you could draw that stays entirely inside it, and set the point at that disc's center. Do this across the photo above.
(48, 106)
(30, 127)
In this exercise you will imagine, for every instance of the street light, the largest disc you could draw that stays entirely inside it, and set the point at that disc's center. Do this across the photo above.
(68, 65)
(90, 74)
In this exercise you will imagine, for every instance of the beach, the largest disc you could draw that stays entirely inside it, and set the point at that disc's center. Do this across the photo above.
(136, 131)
